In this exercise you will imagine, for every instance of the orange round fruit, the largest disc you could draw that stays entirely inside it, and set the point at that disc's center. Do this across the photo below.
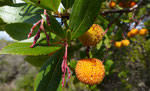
(125, 42)
(129, 34)
(118, 44)
(134, 32)
(93, 36)
(90, 71)
(143, 32)
(112, 4)
(132, 3)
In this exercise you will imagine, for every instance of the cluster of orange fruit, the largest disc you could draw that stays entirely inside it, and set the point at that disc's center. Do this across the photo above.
(133, 32)
(119, 44)
(90, 71)
(122, 4)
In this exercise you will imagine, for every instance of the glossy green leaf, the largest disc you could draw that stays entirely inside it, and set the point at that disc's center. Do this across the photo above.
(55, 27)
(37, 61)
(67, 3)
(19, 31)
(108, 65)
(83, 15)
(5, 2)
(24, 49)
(46, 4)
(48, 79)
(20, 13)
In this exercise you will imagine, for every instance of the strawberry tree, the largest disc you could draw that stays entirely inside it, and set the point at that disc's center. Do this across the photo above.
(83, 29)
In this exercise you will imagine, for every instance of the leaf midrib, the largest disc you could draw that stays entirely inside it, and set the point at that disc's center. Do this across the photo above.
(81, 22)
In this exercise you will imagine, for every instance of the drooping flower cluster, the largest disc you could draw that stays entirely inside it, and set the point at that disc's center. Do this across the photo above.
(37, 36)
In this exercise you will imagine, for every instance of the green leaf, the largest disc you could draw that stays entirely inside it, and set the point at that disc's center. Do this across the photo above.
(107, 42)
(49, 77)
(20, 13)
(46, 4)
(72, 49)
(55, 27)
(29, 2)
(2, 22)
(102, 21)
(83, 16)
(37, 61)
(98, 46)
(18, 31)
(67, 3)
(24, 49)
(108, 66)
(2, 27)
(5, 2)
(72, 64)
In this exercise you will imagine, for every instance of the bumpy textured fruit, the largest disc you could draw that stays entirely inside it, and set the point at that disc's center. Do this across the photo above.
(112, 4)
(134, 32)
(90, 71)
(125, 42)
(117, 44)
(143, 32)
(92, 36)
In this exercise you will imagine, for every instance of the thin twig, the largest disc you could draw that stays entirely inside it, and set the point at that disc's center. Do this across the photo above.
(122, 11)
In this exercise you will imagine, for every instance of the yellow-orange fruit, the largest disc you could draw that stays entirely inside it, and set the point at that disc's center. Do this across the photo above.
(143, 32)
(129, 34)
(112, 4)
(134, 32)
(90, 71)
(92, 36)
(125, 42)
(132, 3)
(117, 44)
